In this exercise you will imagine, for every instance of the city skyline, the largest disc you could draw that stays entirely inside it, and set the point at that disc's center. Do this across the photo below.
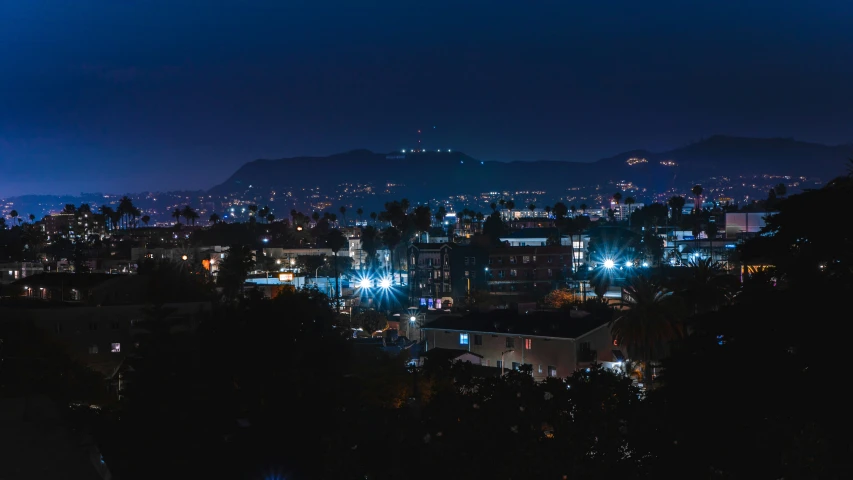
(124, 98)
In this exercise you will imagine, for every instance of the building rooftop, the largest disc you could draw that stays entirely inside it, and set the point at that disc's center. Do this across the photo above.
(556, 324)
(536, 232)
(446, 354)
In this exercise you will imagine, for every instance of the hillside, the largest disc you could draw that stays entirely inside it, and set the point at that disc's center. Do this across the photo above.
(436, 175)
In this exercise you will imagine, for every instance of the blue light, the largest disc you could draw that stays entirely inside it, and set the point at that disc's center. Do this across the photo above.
(461, 161)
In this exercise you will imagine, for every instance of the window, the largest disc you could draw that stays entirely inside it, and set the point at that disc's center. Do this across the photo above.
(114, 324)
(58, 327)
(115, 348)
(512, 260)
(499, 364)
(528, 343)
(466, 260)
(473, 260)
(466, 273)
(550, 273)
(585, 347)
(540, 368)
(516, 366)
(490, 260)
(463, 339)
(510, 342)
(93, 349)
(478, 339)
(525, 259)
(552, 371)
(550, 259)
(513, 273)
(93, 325)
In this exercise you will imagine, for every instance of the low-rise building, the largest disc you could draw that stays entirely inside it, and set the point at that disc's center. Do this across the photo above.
(552, 344)
(527, 273)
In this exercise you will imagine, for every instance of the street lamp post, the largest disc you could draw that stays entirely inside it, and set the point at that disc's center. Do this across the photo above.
(503, 366)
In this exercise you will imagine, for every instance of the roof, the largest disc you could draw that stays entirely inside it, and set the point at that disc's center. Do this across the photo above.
(554, 324)
(430, 246)
(536, 232)
(446, 354)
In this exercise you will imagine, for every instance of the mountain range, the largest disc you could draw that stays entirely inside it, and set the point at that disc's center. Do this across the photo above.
(444, 174)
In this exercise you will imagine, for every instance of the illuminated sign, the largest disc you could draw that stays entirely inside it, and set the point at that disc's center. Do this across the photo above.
(285, 277)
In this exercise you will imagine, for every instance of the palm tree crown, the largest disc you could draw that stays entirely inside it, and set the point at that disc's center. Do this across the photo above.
(651, 320)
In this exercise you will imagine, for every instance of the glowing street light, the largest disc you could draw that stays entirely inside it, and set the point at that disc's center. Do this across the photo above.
(629, 264)
(412, 318)
(385, 283)
(364, 283)
(609, 263)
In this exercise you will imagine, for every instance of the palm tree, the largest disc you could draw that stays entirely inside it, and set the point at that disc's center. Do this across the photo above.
(108, 212)
(697, 193)
(616, 198)
(189, 214)
(343, 211)
(392, 237)
(125, 209)
(548, 211)
(677, 204)
(2, 223)
(359, 212)
(574, 210)
(145, 219)
(32, 218)
(560, 211)
(263, 212)
(652, 318)
(177, 214)
(253, 209)
(781, 190)
(214, 218)
(316, 216)
(373, 217)
(270, 218)
(708, 288)
(493, 206)
(14, 215)
(370, 243)
(532, 208)
(629, 201)
(509, 206)
(440, 214)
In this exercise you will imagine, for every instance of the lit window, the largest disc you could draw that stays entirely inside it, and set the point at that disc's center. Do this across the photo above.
(528, 343)
(115, 348)
(525, 259)
(93, 349)
(513, 273)
(463, 339)
(552, 371)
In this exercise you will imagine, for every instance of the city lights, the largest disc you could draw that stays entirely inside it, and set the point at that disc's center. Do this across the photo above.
(609, 263)
(364, 283)
(385, 283)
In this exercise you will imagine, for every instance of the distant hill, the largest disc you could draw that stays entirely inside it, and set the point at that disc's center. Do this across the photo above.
(436, 175)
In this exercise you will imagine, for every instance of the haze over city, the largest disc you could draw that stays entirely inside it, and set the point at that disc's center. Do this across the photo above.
(292, 240)
(119, 97)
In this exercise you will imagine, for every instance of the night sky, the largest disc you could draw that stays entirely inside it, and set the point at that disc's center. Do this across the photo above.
(121, 96)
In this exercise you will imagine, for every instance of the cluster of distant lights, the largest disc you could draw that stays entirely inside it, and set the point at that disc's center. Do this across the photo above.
(415, 150)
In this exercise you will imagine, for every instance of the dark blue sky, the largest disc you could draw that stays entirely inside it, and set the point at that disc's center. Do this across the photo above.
(129, 95)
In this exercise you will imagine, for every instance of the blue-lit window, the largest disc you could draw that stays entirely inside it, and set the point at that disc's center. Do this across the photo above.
(463, 339)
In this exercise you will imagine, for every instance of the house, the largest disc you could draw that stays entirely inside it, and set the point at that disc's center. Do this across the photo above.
(552, 344)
